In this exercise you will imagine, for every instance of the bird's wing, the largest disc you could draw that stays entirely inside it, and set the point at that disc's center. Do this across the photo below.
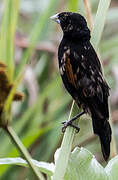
(67, 69)
(84, 71)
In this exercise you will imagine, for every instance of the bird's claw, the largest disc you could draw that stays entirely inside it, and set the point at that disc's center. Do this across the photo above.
(69, 123)
(65, 125)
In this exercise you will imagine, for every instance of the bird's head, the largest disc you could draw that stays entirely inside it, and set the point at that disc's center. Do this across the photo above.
(73, 25)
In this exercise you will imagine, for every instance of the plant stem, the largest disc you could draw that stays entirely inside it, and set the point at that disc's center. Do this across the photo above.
(88, 13)
(65, 149)
(113, 142)
(99, 22)
(23, 151)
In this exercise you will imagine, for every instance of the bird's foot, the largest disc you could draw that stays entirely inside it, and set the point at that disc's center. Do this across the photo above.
(69, 123)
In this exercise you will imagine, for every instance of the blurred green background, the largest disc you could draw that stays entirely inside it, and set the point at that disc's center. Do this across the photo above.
(37, 120)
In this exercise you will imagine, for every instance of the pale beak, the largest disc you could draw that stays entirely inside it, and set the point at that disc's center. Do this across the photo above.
(55, 18)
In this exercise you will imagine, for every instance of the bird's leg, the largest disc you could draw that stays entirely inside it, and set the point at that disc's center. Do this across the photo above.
(69, 122)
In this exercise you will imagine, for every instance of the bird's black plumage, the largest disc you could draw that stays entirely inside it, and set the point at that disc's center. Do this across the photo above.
(82, 75)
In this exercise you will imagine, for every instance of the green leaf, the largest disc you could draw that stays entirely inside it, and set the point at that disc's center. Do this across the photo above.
(44, 167)
(99, 22)
(7, 34)
(112, 168)
(73, 5)
(65, 148)
(37, 31)
(83, 165)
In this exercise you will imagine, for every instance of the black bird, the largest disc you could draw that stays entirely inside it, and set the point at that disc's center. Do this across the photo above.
(82, 75)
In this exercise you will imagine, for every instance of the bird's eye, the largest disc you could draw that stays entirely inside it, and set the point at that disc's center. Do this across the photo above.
(63, 18)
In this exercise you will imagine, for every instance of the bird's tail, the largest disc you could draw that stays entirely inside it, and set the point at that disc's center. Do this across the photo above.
(102, 128)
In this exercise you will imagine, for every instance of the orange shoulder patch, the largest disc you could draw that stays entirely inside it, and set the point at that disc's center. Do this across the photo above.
(69, 72)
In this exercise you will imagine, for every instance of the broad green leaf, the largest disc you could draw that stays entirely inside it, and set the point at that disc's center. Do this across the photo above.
(83, 165)
(112, 168)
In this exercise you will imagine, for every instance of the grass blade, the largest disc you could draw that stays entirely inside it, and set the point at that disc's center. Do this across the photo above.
(7, 33)
(36, 33)
(99, 22)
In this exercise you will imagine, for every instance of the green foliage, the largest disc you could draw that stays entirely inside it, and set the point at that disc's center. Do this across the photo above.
(111, 168)
(39, 125)
(8, 28)
(47, 168)
(73, 5)
(37, 32)
(82, 165)
(99, 22)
